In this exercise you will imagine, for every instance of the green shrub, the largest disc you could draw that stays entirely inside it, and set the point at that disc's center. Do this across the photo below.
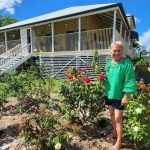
(82, 97)
(137, 116)
(45, 129)
(141, 62)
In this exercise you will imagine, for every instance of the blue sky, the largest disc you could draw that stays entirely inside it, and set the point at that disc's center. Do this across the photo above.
(24, 9)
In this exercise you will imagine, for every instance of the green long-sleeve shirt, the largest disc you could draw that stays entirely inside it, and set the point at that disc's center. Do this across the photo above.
(120, 79)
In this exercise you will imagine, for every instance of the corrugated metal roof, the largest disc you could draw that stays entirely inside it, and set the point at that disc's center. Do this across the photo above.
(57, 14)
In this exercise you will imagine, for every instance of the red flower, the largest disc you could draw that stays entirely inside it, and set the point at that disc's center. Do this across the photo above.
(102, 77)
(70, 77)
(87, 80)
(142, 86)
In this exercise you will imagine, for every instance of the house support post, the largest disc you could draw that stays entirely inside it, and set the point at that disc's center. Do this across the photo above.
(52, 31)
(121, 29)
(114, 26)
(31, 37)
(6, 46)
(129, 40)
(79, 34)
(125, 47)
(125, 36)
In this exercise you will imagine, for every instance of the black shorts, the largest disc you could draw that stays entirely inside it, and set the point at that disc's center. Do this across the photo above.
(114, 103)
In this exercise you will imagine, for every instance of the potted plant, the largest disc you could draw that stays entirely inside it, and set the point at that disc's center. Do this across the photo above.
(141, 65)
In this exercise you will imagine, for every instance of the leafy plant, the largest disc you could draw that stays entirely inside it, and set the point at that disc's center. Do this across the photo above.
(137, 116)
(82, 97)
(141, 62)
(46, 129)
(95, 62)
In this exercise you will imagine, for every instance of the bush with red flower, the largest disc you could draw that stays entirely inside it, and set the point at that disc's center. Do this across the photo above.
(137, 117)
(102, 77)
(83, 96)
(70, 77)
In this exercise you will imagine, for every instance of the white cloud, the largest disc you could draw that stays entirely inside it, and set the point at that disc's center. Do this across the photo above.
(8, 5)
(137, 20)
(128, 14)
(144, 39)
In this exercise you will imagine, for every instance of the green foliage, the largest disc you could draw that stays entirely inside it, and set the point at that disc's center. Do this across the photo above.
(95, 63)
(55, 84)
(45, 129)
(82, 98)
(3, 90)
(137, 116)
(141, 61)
(6, 20)
(29, 86)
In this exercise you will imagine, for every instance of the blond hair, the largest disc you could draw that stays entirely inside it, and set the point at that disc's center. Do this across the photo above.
(118, 43)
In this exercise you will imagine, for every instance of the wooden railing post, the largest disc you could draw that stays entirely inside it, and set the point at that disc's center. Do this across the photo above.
(6, 46)
(52, 31)
(79, 34)
(114, 26)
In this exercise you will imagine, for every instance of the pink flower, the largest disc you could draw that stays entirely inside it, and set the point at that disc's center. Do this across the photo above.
(70, 77)
(142, 86)
(80, 69)
(87, 66)
(102, 77)
(87, 80)
(65, 72)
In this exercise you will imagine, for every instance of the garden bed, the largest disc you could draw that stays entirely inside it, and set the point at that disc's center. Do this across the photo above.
(91, 137)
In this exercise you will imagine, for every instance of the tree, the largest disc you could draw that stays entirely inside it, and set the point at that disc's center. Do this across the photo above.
(6, 20)
(141, 50)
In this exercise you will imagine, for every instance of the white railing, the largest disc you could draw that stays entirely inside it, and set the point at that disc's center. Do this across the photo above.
(92, 39)
(96, 39)
(43, 43)
(15, 52)
(9, 52)
(13, 43)
(10, 45)
(65, 42)
(2, 47)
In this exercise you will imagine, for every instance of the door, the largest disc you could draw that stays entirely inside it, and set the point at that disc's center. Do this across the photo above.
(24, 41)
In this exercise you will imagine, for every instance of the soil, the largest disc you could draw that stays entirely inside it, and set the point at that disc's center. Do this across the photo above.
(91, 137)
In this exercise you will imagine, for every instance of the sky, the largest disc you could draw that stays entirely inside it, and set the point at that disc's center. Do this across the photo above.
(25, 9)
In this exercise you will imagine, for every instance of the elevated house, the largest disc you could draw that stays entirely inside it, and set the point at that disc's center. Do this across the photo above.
(65, 37)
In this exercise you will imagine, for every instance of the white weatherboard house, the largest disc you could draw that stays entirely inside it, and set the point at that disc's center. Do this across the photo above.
(65, 37)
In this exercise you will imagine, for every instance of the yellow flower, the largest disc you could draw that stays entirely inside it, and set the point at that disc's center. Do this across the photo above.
(70, 135)
(58, 146)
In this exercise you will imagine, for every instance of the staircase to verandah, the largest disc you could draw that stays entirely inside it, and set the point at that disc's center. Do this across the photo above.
(13, 58)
